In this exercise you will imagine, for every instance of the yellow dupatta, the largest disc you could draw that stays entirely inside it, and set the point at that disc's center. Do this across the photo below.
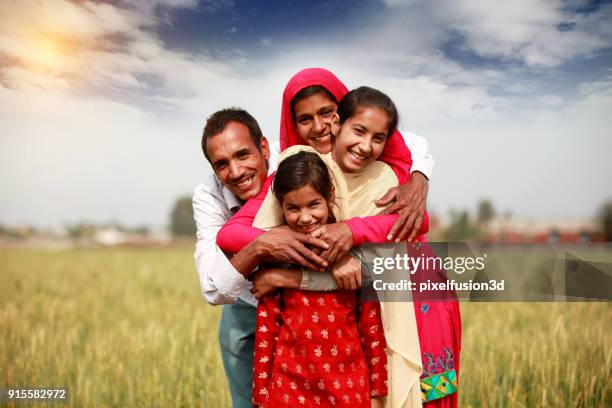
(354, 196)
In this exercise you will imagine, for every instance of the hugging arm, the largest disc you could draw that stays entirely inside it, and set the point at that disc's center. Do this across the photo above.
(358, 231)
(409, 200)
(251, 245)
(220, 282)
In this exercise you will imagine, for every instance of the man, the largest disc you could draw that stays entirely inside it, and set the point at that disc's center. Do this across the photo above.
(240, 156)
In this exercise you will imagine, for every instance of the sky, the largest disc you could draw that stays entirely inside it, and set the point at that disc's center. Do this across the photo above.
(102, 103)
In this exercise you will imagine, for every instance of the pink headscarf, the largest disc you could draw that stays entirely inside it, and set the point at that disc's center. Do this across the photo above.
(396, 153)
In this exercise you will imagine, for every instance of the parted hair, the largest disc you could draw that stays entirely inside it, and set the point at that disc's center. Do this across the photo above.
(300, 170)
(364, 96)
(307, 92)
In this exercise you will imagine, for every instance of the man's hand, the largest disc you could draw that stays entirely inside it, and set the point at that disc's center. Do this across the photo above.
(267, 280)
(347, 272)
(338, 236)
(410, 203)
(281, 244)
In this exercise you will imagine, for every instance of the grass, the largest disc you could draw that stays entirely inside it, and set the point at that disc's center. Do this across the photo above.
(128, 327)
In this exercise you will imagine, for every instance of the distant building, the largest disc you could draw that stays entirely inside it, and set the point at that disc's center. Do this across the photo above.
(560, 230)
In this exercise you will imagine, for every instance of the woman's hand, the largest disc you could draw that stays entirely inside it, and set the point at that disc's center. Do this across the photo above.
(347, 272)
(339, 238)
(410, 203)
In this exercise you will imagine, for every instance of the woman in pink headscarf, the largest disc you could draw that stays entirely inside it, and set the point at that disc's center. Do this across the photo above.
(310, 101)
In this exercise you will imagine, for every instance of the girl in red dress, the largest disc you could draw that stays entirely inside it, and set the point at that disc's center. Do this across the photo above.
(316, 348)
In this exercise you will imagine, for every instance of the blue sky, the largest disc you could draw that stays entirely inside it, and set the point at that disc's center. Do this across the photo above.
(102, 103)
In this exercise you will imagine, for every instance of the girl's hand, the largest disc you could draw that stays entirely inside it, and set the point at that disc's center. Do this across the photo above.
(339, 238)
(347, 272)
(376, 402)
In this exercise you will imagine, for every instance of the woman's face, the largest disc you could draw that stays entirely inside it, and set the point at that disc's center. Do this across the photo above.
(305, 209)
(361, 139)
(313, 121)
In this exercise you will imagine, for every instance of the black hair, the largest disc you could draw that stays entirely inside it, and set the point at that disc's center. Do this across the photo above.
(299, 170)
(364, 96)
(218, 121)
(307, 92)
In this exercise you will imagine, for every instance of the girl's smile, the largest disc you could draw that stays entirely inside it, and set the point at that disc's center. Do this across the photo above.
(305, 209)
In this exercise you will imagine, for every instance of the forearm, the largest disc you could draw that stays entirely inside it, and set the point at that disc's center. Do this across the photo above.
(220, 282)
(302, 279)
(317, 281)
(372, 229)
(247, 259)
(238, 232)
(234, 237)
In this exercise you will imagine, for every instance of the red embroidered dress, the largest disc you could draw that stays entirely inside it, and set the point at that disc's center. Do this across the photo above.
(316, 349)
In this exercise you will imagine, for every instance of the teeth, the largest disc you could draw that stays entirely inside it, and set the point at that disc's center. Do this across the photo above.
(358, 156)
(245, 183)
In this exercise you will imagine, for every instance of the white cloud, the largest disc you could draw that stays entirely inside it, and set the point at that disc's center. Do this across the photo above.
(522, 30)
(108, 126)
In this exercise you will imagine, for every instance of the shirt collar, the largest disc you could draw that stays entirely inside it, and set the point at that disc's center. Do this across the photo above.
(233, 203)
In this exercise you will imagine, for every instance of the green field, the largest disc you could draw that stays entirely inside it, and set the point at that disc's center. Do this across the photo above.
(128, 328)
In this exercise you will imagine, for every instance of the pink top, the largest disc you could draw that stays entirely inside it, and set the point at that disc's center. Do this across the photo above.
(239, 231)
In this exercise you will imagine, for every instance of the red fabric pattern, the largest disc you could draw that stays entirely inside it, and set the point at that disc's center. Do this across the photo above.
(318, 349)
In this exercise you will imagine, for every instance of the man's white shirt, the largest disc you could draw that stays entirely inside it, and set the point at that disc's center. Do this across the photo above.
(214, 204)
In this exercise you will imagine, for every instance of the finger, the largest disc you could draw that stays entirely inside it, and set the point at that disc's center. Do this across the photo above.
(307, 239)
(397, 225)
(406, 228)
(299, 259)
(393, 208)
(325, 254)
(318, 233)
(311, 257)
(333, 255)
(359, 279)
(347, 282)
(353, 282)
(416, 228)
(387, 198)
(339, 283)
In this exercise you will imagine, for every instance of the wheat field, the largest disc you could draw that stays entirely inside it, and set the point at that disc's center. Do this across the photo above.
(127, 327)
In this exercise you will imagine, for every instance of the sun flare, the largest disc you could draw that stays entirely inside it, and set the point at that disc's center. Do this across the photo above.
(51, 53)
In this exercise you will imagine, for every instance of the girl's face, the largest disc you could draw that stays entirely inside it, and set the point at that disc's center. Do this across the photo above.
(305, 209)
(361, 139)
(314, 116)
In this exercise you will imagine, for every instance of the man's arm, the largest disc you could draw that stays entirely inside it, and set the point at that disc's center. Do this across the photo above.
(422, 160)
(220, 282)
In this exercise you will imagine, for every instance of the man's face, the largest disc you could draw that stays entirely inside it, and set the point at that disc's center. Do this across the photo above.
(237, 162)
